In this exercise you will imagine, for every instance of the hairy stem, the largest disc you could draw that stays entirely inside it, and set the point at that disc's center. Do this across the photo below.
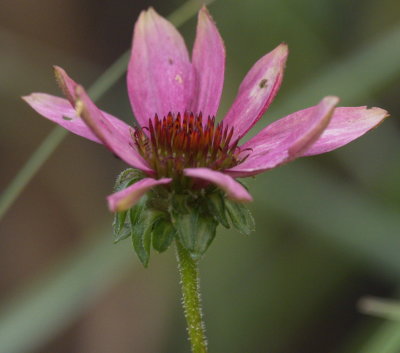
(189, 275)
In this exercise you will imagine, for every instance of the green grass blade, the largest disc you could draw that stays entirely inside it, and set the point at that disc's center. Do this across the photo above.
(43, 309)
(363, 227)
(26, 173)
(385, 340)
(380, 307)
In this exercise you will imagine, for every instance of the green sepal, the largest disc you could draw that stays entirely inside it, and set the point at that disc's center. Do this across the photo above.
(196, 230)
(240, 216)
(142, 221)
(121, 228)
(163, 234)
(216, 207)
(180, 204)
(127, 178)
(121, 224)
(139, 231)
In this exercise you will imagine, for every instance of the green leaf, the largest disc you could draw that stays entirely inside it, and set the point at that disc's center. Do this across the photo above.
(141, 239)
(137, 211)
(216, 207)
(141, 227)
(240, 216)
(196, 231)
(163, 234)
(142, 220)
(121, 228)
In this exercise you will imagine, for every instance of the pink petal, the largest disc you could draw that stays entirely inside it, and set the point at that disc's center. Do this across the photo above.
(126, 198)
(257, 91)
(233, 189)
(159, 72)
(285, 139)
(307, 134)
(60, 111)
(118, 141)
(66, 83)
(347, 124)
(69, 86)
(208, 61)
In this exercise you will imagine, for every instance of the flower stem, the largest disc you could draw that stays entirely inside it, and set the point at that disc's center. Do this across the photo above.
(189, 275)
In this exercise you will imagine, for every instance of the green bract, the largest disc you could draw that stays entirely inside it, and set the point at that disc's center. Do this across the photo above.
(190, 217)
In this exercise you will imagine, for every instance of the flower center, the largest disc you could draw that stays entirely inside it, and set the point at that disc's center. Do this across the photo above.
(184, 141)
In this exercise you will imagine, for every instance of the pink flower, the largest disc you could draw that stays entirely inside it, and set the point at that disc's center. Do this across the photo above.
(175, 100)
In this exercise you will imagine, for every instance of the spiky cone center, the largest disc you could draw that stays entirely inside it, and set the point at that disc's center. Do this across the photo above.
(180, 141)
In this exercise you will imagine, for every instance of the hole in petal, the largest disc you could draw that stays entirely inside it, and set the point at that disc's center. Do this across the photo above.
(179, 79)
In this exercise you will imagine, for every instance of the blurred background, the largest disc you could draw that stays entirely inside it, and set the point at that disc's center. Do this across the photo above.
(327, 227)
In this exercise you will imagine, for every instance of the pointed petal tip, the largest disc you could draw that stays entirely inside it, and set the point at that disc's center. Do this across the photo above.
(57, 69)
(379, 111)
(145, 19)
(247, 198)
(151, 14)
(329, 104)
(281, 53)
(282, 49)
(204, 19)
(379, 115)
(60, 74)
(32, 98)
(151, 10)
(204, 13)
(65, 82)
(330, 100)
(27, 98)
(140, 17)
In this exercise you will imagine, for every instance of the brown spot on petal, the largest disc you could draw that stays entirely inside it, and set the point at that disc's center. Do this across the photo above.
(263, 83)
(170, 61)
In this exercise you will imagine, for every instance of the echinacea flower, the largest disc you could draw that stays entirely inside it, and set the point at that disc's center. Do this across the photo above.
(178, 144)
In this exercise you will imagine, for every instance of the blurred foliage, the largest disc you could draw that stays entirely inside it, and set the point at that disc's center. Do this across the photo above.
(327, 227)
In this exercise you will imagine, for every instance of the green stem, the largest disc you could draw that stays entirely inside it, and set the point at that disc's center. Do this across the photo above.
(189, 274)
